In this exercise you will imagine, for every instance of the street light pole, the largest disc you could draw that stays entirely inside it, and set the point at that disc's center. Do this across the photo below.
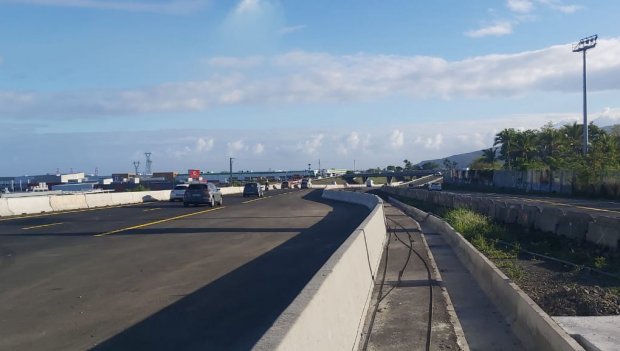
(230, 176)
(582, 46)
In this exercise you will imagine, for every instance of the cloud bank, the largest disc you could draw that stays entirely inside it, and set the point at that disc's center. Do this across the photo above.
(305, 77)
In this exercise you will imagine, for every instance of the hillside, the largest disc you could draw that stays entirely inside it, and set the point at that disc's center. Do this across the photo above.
(462, 160)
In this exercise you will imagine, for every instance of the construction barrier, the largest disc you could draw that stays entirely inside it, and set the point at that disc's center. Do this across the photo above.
(4, 208)
(329, 312)
(27, 205)
(67, 202)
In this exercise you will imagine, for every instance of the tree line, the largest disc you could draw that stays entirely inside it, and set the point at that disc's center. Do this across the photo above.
(550, 148)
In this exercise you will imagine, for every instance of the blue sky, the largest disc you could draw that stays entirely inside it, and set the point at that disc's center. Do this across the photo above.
(88, 84)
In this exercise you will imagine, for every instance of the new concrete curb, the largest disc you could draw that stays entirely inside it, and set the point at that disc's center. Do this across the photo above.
(330, 311)
(531, 324)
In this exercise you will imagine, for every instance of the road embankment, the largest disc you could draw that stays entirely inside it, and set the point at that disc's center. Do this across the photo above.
(598, 229)
(535, 328)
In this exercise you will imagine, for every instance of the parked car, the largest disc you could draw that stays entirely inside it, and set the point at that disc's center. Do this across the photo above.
(201, 193)
(252, 189)
(306, 183)
(285, 185)
(434, 186)
(177, 193)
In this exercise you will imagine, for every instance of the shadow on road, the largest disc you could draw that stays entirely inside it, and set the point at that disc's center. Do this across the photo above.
(234, 311)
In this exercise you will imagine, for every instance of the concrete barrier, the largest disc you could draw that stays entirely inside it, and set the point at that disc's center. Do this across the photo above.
(574, 225)
(4, 208)
(329, 312)
(547, 220)
(604, 231)
(29, 205)
(231, 190)
(159, 195)
(531, 324)
(67, 202)
(98, 200)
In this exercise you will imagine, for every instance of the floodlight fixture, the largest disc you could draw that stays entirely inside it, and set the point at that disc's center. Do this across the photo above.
(582, 46)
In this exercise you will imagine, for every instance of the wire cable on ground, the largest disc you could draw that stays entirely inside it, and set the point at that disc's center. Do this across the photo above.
(381, 296)
(430, 282)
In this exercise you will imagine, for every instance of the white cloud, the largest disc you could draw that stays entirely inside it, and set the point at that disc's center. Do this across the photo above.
(558, 5)
(235, 62)
(248, 6)
(236, 146)
(311, 146)
(179, 149)
(204, 145)
(520, 6)
(396, 139)
(170, 6)
(300, 77)
(258, 149)
(497, 29)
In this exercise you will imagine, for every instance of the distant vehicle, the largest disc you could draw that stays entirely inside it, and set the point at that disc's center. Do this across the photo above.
(251, 189)
(438, 173)
(370, 183)
(306, 183)
(434, 186)
(178, 192)
(201, 193)
(284, 185)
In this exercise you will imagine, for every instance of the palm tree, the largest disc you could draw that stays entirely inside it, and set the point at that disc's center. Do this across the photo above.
(506, 138)
(489, 155)
(573, 133)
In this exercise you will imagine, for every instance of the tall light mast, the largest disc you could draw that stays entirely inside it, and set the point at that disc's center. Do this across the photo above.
(582, 46)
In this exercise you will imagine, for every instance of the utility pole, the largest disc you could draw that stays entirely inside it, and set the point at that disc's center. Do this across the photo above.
(136, 166)
(230, 177)
(319, 166)
(582, 46)
(353, 165)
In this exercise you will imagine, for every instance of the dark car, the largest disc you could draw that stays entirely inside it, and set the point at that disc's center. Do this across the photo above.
(202, 193)
(284, 185)
(251, 189)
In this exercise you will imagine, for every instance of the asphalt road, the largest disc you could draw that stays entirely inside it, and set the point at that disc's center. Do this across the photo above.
(595, 207)
(159, 276)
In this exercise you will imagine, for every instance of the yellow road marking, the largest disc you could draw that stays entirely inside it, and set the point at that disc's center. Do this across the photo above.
(152, 209)
(41, 226)
(13, 218)
(159, 221)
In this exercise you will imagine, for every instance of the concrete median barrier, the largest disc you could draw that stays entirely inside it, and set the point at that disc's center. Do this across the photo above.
(29, 205)
(68, 202)
(531, 324)
(4, 208)
(329, 312)
(547, 220)
(574, 225)
(231, 190)
(98, 200)
(159, 195)
(527, 215)
(604, 231)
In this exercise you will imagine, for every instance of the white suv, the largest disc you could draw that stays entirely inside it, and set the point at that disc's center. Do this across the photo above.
(178, 192)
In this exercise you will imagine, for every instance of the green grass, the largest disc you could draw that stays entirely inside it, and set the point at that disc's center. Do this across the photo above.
(577, 252)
